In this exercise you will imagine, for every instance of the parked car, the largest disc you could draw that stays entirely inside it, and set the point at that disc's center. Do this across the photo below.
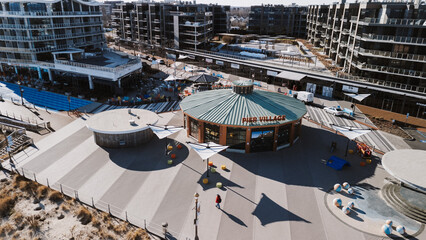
(161, 61)
(336, 111)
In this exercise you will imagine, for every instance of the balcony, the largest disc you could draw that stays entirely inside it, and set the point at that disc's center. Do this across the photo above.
(46, 14)
(49, 37)
(394, 21)
(393, 55)
(394, 39)
(391, 70)
(44, 26)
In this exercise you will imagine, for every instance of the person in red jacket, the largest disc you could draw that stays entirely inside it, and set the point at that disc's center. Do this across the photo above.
(218, 201)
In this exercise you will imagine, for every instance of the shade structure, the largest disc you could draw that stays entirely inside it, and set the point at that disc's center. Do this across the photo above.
(351, 133)
(207, 150)
(291, 75)
(203, 78)
(358, 97)
(172, 78)
(163, 132)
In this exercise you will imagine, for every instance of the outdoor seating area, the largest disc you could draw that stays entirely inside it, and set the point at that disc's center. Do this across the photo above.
(47, 99)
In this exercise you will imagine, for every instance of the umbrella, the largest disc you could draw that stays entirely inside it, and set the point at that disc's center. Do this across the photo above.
(164, 131)
(350, 133)
(203, 78)
(207, 150)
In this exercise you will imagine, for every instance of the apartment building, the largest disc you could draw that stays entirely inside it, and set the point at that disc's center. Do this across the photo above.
(377, 41)
(278, 20)
(182, 25)
(56, 37)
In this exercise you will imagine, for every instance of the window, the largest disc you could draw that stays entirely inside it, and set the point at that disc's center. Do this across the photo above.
(211, 133)
(284, 134)
(193, 128)
(236, 137)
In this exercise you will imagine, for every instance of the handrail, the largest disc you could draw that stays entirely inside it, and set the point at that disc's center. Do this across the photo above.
(47, 49)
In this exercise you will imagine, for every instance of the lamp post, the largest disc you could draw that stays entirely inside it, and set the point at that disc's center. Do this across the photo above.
(196, 195)
(21, 89)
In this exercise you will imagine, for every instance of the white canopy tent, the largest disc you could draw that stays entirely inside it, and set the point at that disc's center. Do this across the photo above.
(172, 78)
(207, 150)
(164, 131)
(350, 133)
(358, 97)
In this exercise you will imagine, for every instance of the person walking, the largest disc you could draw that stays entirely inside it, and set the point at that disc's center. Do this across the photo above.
(218, 201)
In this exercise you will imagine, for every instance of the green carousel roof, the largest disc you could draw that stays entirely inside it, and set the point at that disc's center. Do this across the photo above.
(259, 108)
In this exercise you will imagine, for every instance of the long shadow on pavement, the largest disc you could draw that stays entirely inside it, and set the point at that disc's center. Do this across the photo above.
(302, 163)
(234, 218)
(268, 211)
(151, 155)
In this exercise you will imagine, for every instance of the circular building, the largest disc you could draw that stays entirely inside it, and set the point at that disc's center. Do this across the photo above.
(122, 127)
(244, 119)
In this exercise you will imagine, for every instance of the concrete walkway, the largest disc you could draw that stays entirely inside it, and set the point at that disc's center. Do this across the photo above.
(270, 195)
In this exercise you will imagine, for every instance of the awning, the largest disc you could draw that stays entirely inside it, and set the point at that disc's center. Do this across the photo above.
(163, 132)
(207, 150)
(172, 78)
(291, 75)
(351, 133)
(358, 97)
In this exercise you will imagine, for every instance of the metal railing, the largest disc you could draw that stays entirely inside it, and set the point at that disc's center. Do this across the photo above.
(406, 56)
(395, 38)
(25, 61)
(49, 37)
(97, 203)
(48, 49)
(41, 14)
(395, 21)
(387, 69)
(100, 68)
(42, 26)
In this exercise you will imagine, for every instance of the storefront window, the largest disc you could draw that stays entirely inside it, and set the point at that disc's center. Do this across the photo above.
(193, 128)
(284, 134)
(262, 139)
(236, 138)
(211, 133)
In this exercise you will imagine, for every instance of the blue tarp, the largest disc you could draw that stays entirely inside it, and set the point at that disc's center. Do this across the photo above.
(337, 163)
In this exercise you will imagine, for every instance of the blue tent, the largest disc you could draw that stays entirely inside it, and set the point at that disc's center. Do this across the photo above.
(337, 163)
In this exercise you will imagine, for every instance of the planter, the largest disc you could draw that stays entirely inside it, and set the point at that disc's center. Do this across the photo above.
(68, 93)
(81, 96)
(93, 99)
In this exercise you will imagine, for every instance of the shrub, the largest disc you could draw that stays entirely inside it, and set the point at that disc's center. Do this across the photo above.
(17, 217)
(138, 234)
(121, 228)
(33, 223)
(84, 215)
(65, 208)
(6, 228)
(42, 191)
(55, 196)
(6, 205)
(96, 223)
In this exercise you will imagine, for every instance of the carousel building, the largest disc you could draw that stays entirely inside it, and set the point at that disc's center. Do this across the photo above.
(244, 119)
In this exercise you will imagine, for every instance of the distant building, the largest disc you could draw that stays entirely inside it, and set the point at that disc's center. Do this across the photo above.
(181, 25)
(45, 38)
(278, 20)
(381, 42)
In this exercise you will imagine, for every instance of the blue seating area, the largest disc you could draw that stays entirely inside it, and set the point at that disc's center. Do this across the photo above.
(47, 99)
